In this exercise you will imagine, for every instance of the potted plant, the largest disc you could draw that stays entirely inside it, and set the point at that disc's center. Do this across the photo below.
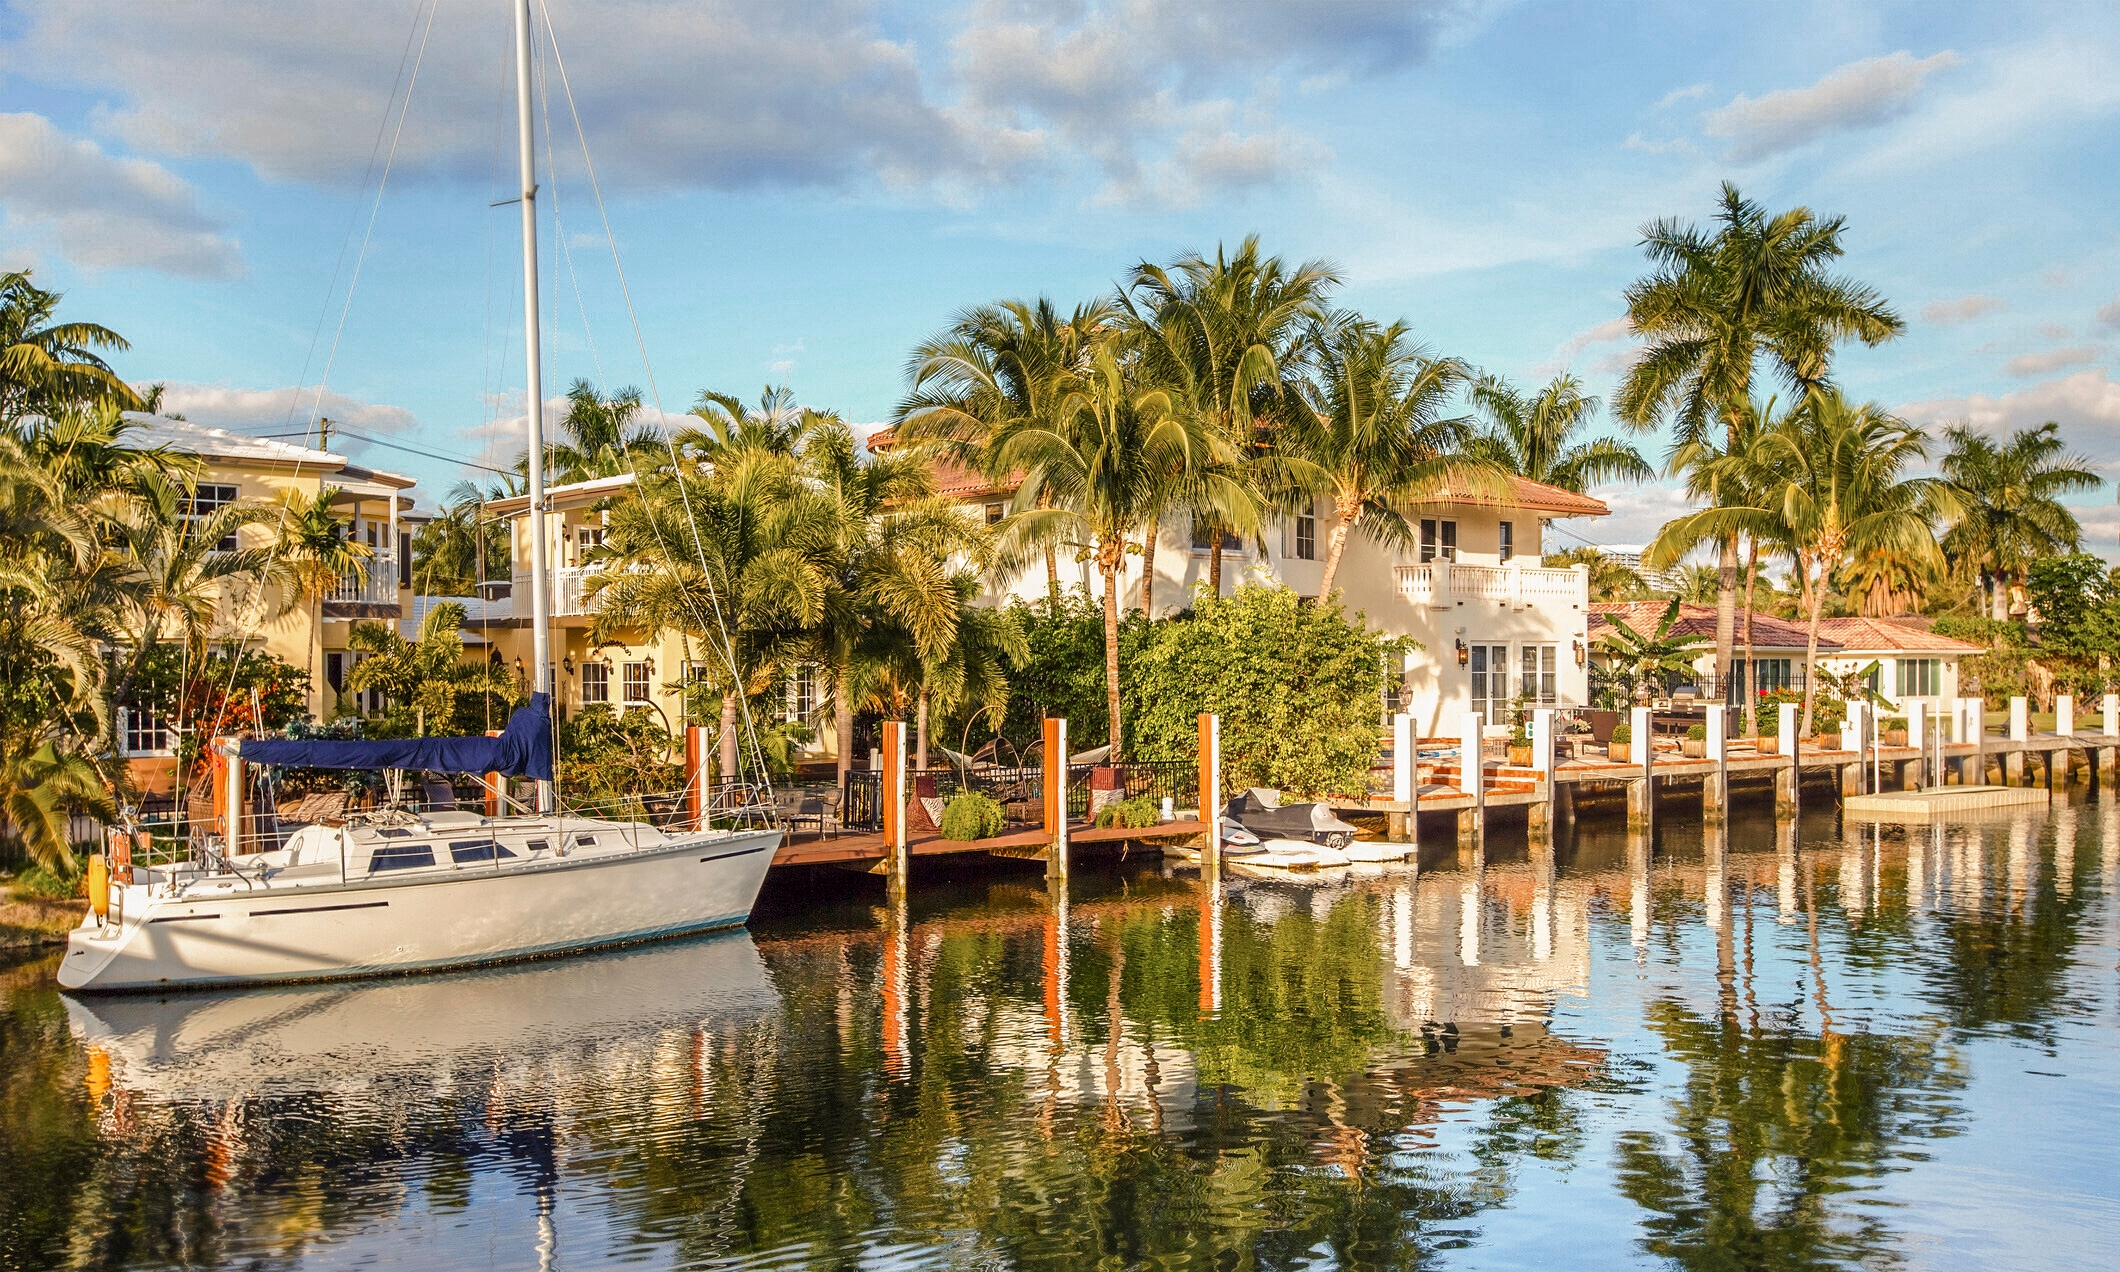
(1621, 748)
(1519, 744)
(1895, 732)
(1695, 747)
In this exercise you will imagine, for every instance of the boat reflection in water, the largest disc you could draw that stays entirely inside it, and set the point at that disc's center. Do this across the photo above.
(1724, 1047)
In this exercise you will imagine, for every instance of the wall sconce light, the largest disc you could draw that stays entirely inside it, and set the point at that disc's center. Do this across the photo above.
(568, 663)
(518, 665)
(1581, 654)
(1464, 653)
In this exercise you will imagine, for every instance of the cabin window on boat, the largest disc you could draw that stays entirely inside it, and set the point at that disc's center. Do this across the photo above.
(1438, 539)
(537, 846)
(465, 852)
(596, 682)
(401, 857)
(636, 683)
(585, 841)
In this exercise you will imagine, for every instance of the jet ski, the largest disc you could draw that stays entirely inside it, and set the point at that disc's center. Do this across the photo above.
(1286, 837)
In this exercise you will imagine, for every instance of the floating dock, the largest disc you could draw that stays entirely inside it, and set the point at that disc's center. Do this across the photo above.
(1942, 801)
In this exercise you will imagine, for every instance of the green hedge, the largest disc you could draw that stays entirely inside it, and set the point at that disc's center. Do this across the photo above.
(971, 815)
(1133, 814)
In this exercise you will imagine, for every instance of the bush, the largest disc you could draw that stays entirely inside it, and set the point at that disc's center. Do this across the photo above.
(1298, 686)
(54, 884)
(1133, 814)
(1623, 733)
(1696, 733)
(971, 815)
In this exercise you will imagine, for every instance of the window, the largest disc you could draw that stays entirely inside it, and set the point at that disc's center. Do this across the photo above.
(146, 733)
(404, 558)
(636, 683)
(802, 694)
(1920, 677)
(1540, 669)
(401, 857)
(993, 513)
(207, 500)
(1773, 674)
(587, 540)
(1490, 682)
(1508, 540)
(1438, 539)
(335, 672)
(596, 682)
(1203, 539)
(469, 851)
(1306, 537)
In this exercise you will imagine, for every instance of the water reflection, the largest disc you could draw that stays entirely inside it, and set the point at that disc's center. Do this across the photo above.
(1744, 1035)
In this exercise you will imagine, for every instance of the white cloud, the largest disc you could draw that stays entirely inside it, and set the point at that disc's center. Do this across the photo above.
(2031, 364)
(1672, 146)
(1857, 95)
(2110, 315)
(261, 411)
(1638, 512)
(1949, 313)
(104, 211)
(1567, 351)
(2052, 85)
(1677, 95)
(2087, 405)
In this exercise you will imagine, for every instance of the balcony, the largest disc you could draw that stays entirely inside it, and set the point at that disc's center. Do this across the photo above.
(369, 590)
(1448, 584)
(568, 589)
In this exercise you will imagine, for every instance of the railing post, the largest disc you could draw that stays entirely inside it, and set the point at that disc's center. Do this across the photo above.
(1715, 787)
(1405, 765)
(1788, 779)
(1211, 794)
(1055, 797)
(897, 859)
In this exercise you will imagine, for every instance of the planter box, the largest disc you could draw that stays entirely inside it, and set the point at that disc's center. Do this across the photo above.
(1694, 749)
(1520, 756)
(1895, 737)
(1622, 752)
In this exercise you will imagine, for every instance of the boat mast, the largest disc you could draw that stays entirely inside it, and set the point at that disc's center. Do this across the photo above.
(540, 583)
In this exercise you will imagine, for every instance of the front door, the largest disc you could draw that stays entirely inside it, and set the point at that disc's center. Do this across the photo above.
(1490, 682)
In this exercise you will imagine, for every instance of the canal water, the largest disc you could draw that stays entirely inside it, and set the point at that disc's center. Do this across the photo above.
(1852, 1047)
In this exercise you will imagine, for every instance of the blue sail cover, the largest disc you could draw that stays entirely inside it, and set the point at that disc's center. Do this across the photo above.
(524, 749)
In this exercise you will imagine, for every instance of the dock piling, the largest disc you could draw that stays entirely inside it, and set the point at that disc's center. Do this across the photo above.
(2020, 731)
(1715, 787)
(1786, 775)
(1641, 794)
(1211, 793)
(897, 863)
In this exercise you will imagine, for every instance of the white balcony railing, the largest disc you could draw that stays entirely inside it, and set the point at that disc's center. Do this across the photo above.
(1446, 584)
(569, 590)
(372, 582)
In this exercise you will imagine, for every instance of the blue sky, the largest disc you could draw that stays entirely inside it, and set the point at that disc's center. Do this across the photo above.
(799, 193)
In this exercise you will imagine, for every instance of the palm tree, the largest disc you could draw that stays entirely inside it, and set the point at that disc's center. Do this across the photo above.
(727, 427)
(973, 670)
(2006, 509)
(429, 674)
(315, 554)
(40, 784)
(1718, 303)
(1641, 659)
(998, 367)
(1223, 339)
(462, 547)
(46, 366)
(1374, 437)
(600, 437)
(1535, 436)
(1105, 469)
(1609, 580)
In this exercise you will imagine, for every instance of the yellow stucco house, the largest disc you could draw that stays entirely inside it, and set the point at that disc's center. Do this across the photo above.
(238, 468)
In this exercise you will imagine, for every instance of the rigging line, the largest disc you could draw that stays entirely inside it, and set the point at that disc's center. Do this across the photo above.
(357, 435)
(728, 649)
(352, 286)
(382, 128)
(566, 249)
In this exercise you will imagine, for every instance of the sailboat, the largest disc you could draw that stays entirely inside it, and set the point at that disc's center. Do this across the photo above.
(399, 891)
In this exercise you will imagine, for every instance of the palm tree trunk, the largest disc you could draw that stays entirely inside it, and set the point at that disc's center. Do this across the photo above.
(1336, 545)
(1214, 560)
(1111, 648)
(1148, 567)
(1751, 691)
(1810, 657)
(920, 731)
(843, 722)
(728, 737)
(1725, 605)
(1052, 561)
(1999, 606)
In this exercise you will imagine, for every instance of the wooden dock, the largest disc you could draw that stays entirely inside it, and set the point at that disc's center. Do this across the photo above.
(867, 849)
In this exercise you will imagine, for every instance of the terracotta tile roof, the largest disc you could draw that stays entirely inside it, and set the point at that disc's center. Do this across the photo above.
(1698, 622)
(1884, 635)
(1536, 496)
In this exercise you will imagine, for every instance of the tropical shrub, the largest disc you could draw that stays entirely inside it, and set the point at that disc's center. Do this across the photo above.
(970, 815)
(1133, 814)
(608, 761)
(1064, 673)
(1696, 733)
(1623, 733)
(1298, 686)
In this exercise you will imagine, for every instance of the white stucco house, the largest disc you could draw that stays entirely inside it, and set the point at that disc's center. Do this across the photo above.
(1494, 624)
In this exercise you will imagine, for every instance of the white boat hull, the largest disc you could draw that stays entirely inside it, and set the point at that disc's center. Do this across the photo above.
(236, 934)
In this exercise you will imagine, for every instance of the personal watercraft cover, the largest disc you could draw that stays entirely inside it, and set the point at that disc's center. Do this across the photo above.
(524, 749)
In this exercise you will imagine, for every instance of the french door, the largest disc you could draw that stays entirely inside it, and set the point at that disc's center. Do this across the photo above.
(1490, 682)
